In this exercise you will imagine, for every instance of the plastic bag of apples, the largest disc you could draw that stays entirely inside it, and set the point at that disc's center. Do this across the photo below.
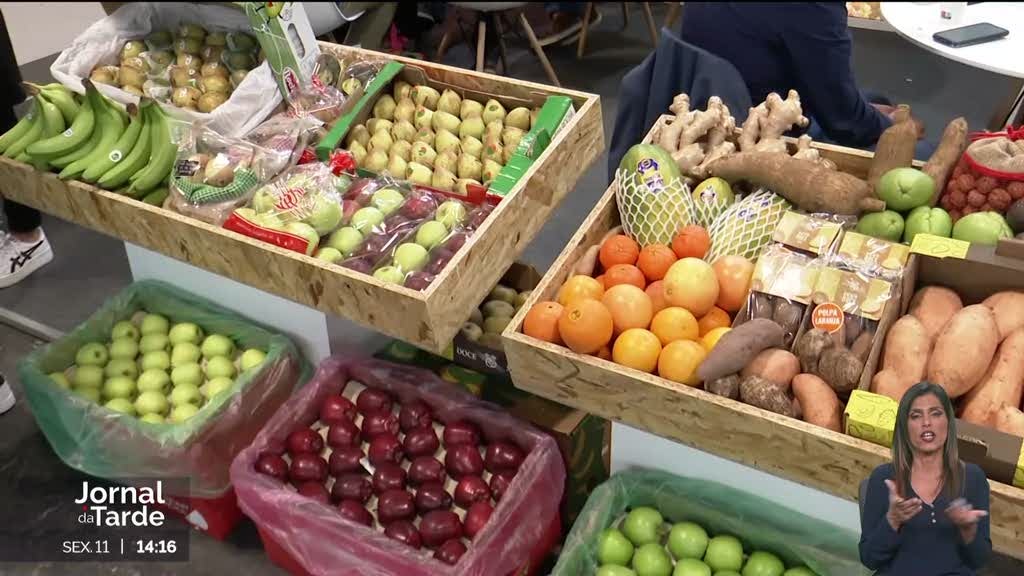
(376, 468)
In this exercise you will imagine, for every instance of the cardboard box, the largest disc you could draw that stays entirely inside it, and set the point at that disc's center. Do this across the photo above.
(287, 38)
(1000, 455)
(870, 417)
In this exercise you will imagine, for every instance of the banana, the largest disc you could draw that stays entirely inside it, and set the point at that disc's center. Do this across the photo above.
(156, 197)
(81, 129)
(117, 151)
(63, 99)
(30, 136)
(161, 156)
(53, 124)
(111, 126)
(132, 163)
(17, 131)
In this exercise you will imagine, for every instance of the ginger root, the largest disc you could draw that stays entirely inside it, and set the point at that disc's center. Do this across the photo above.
(682, 137)
(769, 120)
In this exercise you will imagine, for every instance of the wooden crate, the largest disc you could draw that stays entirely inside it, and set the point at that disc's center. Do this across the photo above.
(428, 319)
(786, 447)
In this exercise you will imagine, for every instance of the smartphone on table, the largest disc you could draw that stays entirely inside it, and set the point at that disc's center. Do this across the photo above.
(970, 35)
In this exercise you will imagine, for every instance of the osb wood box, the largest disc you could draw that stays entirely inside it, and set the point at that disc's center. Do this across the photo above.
(429, 319)
(790, 448)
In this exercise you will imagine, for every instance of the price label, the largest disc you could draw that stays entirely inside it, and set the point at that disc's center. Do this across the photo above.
(939, 247)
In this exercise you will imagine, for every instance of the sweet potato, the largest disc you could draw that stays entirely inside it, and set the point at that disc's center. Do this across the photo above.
(895, 148)
(738, 347)
(1010, 420)
(1002, 385)
(1008, 308)
(964, 350)
(775, 365)
(889, 383)
(934, 306)
(951, 147)
(818, 401)
(906, 349)
(766, 394)
(809, 185)
(841, 369)
(727, 386)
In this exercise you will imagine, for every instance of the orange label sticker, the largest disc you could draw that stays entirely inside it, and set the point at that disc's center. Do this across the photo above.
(827, 317)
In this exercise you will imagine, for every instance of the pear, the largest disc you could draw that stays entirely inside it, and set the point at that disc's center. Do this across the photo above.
(447, 161)
(384, 107)
(350, 85)
(492, 129)
(403, 130)
(469, 167)
(402, 148)
(507, 152)
(449, 102)
(493, 110)
(473, 126)
(511, 135)
(445, 140)
(381, 140)
(491, 141)
(443, 180)
(359, 134)
(426, 136)
(425, 96)
(397, 167)
(423, 118)
(445, 121)
(472, 146)
(358, 152)
(492, 152)
(518, 118)
(423, 153)
(490, 171)
(420, 174)
(375, 125)
(470, 109)
(405, 110)
(533, 116)
(376, 160)
(402, 89)
(462, 185)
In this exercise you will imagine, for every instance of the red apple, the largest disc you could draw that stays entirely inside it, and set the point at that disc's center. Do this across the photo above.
(477, 515)
(503, 457)
(276, 447)
(463, 460)
(348, 208)
(385, 448)
(356, 512)
(343, 433)
(419, 280)
(426, 469)
(450, 551)
(379, 423)
(404, 531)
(388, 476)
(499, 484)
(395, 505)
(272, 465)
(432, 496)
(307, 467)
(352, 487)
(456, 241)
(364, 265)
(372, 400)
(314, 490)
(361, 191)
(419, 205)
(439, 259)
(439, 526)
(461, 432)
(471, 489)
(415, 414)
(421, 442)
(344, 460)
(477, 217)
(337, 408)
(395, 222)
(305, 440)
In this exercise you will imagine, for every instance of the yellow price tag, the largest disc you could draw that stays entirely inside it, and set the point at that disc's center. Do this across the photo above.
(939, 247)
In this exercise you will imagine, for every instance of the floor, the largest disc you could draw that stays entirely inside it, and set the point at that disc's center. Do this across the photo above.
(88, 267)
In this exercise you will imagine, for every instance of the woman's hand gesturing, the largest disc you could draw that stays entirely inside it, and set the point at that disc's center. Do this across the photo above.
(900, 509)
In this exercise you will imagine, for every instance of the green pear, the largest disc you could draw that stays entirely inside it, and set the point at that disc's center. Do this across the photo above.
(405, 110)
(402, 149)
(403, 130)
(426, 136)
(381, 140)
(384, 107)
(359, 134)
(518, 118)
(423, 153)
(470, 109)
(449, 102)
(403, 90)
(493, 130)
(469, 167)
(443, 180)
(397, 167)
(447, 141)
(374, 125)
(492, 152)
(462, 185)
(376, 160)
(472, 126)
(420, 174)
(493, 110)
(510, 135)
(358, 153)
(471, 145)
(424, 118)
(445, 121)
(447, 161)
(425, 96)
(490, 170)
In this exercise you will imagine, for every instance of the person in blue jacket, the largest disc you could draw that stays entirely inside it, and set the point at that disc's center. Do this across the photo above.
(926, 513)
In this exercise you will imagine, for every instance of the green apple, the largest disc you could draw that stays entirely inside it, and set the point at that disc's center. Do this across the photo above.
(154, 324)
(904, 189)
(263, 201)
(431, 234)
(724, 553)
(927, 220)
(124, 349)
(643, 525)
(122, 367)
(387, 200)
(152, 418)
(652, 560)
(183, 412)
(887, 225)
(410, 257)
(92, 354)
(156, 360)
(217, 386)
(91, 394)
(613, 570)
(325, 215)
(153, 342)
(365, 219)
(763, 564)
(119, 387)
(306, 232)
(153, 380)
(186, 332)
(252, 358)
(217, 345)
(328, 254)
(187, 374)
(60, 380)
(450, 213)
(124, 329)
(345, 240)
(88, 377)
(121, 405)
(185, 394)
(799, 571)
(220, 367)
(691, 567)
(727, 573)
(614, 548)
(151, 402)
(687, 540)
(185, 353)
(390, 274)
(982, 228)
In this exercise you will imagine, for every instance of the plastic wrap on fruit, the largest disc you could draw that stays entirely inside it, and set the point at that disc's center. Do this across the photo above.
(286, 135)
(214, 174)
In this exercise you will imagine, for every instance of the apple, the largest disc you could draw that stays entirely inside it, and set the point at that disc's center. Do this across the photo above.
(478, 216)
(328, 254)
(450, 213)
(92, 354)
(385, 448)
(366, 219)
(377, 424)
(724, 553)
(217, 386)
(184, 353)
(503, 456)
(152, 418)
(91, 394)
(122, 405)
(220, 367)
(687, 540)
(614, 548)
(463, 460)
(903, 189)
(887, 225)
(304, 440)
(337, 408)
(151, 402)
(461, 432)
(124, 329)
(61, 380)
(119, 387)
(217, 345)
(476, 518)
(124, 349)
(190, 374)
(395, 505)
(984, 228)
(387, 200)
(345, 240)
(763, 564)
(471, 489)
(348, 208)
(439, 526)
(388, 476)
(314, 490)
(155, 360)
(419, 205)
(410, 258)
(307, 467)
(356, 512)
(439, 260)
(272, 465)
(499, 484)
(373, 401)
(420, 441)
(121, 367)
(185, 332)
(642, 525)
(419, 280)
(691, 567)
(153, 380)
(405, 532)
(252, 358)
(798, 571)
(432, 496)
(154, 324)
(431, 234)
(415, 414)
(155, 342)
(613, 570)
(88, 377)
(325, 215)
(390, 274)
(364, 265)
(185, 394)
(345, 459)
(927, 220)
(342, 433)
(652, 560)
(450, 552)
(183, 412)
(424, 469)
(351, 486)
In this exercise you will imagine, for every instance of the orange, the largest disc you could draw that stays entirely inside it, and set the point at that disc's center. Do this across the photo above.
(585, 326)
(691, 283)
(673, 324)
(619, 249)
(716, 318)
(654, 261)
(637, 348)
(691, 242)
(630, 307)
(679, 361)
(710, 340)
(541, 322)
(734, 274)
(624, 274)
(656, 290)
(601, 280)
(579, 287)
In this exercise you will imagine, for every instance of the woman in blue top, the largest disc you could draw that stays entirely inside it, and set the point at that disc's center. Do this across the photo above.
(926, 513)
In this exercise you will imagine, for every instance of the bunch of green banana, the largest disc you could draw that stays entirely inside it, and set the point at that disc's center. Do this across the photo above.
(53, 108)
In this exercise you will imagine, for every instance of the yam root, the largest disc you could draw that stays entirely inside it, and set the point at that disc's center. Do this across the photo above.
(841, 369)
(861, 346)
(805, 152)
(1010, 420)
(895, 148)
(728, 386)
(738, 347)
(1002, 385)
(766, 395)
(934, 306)
(818, 401)
(943, 160)
(809, 185)
(1008, 308)
(810, 347)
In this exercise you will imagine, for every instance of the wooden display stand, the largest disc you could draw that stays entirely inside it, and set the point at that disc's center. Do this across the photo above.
(786, 447)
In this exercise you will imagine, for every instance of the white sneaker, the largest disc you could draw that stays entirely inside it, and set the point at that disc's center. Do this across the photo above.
(6, 396)
(19, 259)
